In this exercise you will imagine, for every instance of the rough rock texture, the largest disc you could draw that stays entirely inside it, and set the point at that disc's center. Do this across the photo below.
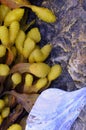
(68, 36)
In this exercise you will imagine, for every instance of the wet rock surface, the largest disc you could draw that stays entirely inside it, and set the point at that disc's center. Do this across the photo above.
(68, 37)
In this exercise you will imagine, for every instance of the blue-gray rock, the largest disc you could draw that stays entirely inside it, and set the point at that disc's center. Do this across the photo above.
(56, 109)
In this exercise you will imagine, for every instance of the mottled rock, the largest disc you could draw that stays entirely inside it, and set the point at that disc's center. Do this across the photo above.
(68, 37)
(77, 64)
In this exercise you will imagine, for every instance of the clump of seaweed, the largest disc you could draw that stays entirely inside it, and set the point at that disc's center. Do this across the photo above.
(43, 13)
(23, 71)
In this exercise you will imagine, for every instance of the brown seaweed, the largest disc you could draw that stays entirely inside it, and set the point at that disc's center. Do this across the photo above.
(12, 117)
(26, 100)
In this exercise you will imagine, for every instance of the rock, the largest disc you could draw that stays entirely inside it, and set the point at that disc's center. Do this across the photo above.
(56, 109)
(68, 37)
